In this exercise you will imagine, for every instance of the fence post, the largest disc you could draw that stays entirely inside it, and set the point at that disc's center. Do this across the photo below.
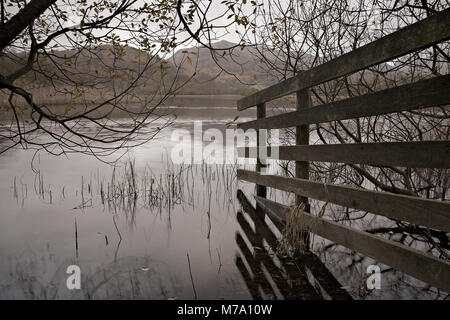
(303, 100)
(261, 191)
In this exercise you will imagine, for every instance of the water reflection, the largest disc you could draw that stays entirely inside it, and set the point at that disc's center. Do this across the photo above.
(131, 227)
(269, 276)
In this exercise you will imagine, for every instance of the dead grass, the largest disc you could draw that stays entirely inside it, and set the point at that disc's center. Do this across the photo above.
(292, 241)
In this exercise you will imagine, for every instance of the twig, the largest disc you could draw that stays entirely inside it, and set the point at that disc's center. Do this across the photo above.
(76, 238)
(192, 280)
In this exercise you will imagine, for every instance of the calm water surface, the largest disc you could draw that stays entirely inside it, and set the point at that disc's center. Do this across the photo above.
(186, 235)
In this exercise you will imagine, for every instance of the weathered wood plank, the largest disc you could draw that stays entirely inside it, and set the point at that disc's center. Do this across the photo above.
(421, 94)
(303, 101)
(417, 154)
(429, 213)
(261, 141)
(416, 263)
(419, 35)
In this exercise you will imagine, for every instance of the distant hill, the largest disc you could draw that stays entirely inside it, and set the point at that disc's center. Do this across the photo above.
(235, 61)
(222, 71)
(93, 65)
(99, 62)
(237, 71)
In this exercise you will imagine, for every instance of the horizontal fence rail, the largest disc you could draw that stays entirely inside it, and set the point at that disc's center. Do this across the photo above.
(411, 261)
(422, 94)
(429, 213)
(418, 154)
(414, 37)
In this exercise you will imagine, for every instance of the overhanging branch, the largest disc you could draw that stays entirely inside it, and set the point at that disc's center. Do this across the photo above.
(12, 28)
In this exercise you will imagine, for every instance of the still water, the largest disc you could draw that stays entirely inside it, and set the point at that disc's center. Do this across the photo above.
(149, 229)
(56, 217)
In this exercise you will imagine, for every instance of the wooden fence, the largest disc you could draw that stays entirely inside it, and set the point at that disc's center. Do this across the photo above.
(431, 154)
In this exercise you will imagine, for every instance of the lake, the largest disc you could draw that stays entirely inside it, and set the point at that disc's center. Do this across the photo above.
(150, 229)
